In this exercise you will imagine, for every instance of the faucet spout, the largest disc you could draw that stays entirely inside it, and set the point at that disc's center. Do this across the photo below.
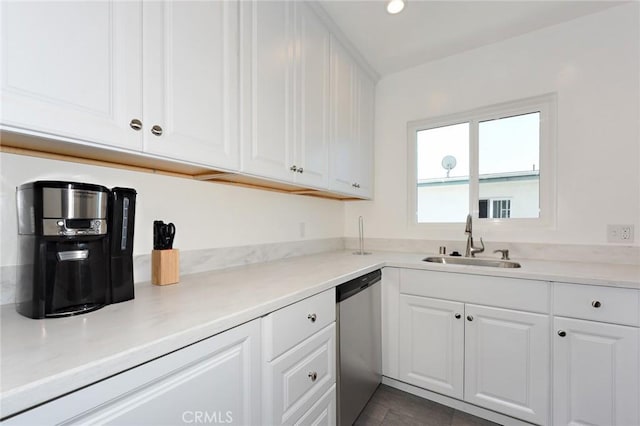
(471, 250)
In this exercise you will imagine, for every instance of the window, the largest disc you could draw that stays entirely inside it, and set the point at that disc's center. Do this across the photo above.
(495, 209)
(493, 162)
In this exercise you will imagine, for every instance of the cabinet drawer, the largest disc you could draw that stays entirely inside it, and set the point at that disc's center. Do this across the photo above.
(323, 413)
(295, 381)
(285, 328)
(606, 304)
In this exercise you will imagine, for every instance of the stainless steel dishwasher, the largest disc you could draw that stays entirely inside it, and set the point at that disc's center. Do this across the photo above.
(359, 349)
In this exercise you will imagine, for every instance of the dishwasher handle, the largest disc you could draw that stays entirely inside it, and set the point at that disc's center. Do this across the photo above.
(355, 286)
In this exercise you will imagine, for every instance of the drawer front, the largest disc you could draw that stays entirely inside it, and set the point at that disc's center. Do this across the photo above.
(323, 413)
(511, 293)
(286, 327)
(605, 304)
(296, 381)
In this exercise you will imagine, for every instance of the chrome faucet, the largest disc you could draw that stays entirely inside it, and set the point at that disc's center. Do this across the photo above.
(471, 251)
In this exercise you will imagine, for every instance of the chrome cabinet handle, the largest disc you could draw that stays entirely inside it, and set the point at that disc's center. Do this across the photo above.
(562, 333)
(596, 304)
(312, 317)
(293, 168)
(156, 130)
(458, 316)
(469, 318)
(300, 170)
(135, 124)
(313, 376)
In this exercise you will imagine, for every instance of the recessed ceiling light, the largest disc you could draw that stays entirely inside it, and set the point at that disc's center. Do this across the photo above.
(395, 6)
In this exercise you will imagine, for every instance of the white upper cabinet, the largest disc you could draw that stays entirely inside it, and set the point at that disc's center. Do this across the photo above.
(72, 69)
(313, 43)
(75, 69)
(285, 88)
(343, 150)
(260, 87)
(267, 86)
(351, 147)
(366, 110)
(190, 81)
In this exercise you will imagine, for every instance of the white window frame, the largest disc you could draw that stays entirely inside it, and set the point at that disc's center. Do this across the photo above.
(547, 106)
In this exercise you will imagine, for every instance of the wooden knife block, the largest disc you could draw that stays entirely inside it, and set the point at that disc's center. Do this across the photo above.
(165, 267)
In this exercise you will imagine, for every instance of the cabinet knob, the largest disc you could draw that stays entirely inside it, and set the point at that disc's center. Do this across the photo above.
(469, 318)
(312, 317)
(458, 316)
(135, 124)
(313, 376)
(596, 304)
(293, 168)
(156, 130)
(562, 333)
(300, 170)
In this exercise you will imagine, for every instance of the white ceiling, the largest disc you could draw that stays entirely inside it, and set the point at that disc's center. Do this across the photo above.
(429, 30)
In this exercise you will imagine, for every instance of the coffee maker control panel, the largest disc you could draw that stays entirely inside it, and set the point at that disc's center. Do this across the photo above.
(74, 227)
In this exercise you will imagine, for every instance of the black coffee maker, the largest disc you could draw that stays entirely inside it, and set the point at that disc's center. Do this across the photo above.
(75, 247)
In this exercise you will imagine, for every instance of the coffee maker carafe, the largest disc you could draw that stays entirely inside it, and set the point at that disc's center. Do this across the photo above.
(68, 261)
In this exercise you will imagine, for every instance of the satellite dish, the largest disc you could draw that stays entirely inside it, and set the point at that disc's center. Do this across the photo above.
(449, 163)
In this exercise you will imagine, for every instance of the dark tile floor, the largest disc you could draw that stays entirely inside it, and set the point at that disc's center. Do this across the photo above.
(392, 407)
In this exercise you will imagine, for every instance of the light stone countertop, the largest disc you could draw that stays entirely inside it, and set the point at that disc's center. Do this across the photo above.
(43, 359)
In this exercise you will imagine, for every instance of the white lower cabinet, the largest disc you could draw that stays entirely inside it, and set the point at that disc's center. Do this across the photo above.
(323, 413)
(299, 363)
(295, 381)
(432, 344)
(216, 380)
(507, 362)
(494, 358)
(488, 356)
(596, 373)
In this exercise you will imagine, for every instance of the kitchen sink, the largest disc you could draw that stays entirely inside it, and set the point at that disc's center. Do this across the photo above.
(454, 260)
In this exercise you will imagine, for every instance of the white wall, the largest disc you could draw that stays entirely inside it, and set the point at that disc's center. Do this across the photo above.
(593, 65)
(207, 215)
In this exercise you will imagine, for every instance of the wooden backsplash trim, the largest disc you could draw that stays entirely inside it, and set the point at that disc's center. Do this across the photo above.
(214, 177)
(89, 161)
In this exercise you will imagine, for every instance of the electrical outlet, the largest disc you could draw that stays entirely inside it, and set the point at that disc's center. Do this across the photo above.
(626, 233)
(620, 233)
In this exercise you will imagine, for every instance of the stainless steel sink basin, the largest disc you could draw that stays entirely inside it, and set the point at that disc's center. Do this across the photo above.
(454, 260)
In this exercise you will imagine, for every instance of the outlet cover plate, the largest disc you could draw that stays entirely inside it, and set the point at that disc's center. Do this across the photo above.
(620, 234)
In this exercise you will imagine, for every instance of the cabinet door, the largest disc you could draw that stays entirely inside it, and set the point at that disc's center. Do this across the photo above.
(214, 381)
(311, 114)
(72, 69)
(267, 89)
(366, 111)
(507, 362)
(190, 81)
(343, 148)
(596, 377)
(432, 344)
